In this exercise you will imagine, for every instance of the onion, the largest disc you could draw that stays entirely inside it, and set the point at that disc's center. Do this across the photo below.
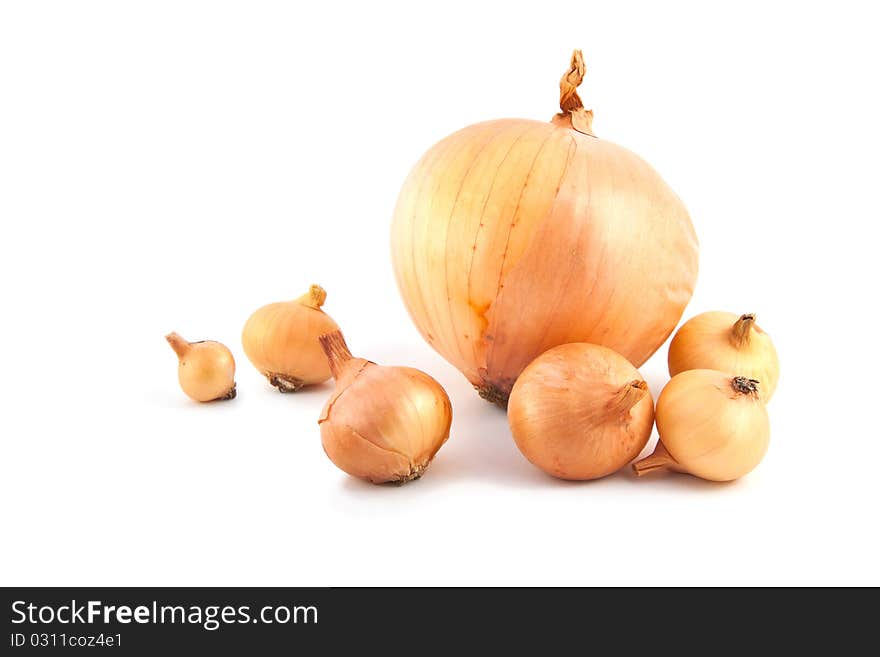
(580, 411)
(205, 369)
(712, 425)
(383, 424)
(729, 343)
(514, 236)
(281, 340)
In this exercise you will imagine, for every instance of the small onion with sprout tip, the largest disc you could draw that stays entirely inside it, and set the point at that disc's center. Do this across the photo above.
(729, 343)
(206, 369)
(382, 424)
(712, 425)
(281, 340)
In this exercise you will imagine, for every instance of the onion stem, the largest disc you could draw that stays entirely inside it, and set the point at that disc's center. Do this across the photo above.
(742, 330)
(573, 114)
(659, 460)
(629, 395)
(336, 350)
(314, 298)
(181, 347)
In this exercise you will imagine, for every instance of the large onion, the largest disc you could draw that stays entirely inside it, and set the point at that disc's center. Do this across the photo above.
(513, 236)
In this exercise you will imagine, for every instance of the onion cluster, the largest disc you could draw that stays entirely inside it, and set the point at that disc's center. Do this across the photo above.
(547, 265)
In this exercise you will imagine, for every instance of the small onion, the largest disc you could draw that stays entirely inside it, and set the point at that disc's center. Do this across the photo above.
(712, 425)
(729, 343)
(281, 340)
(513, 236)
(382, 424)
(580, 411)
(205, 370)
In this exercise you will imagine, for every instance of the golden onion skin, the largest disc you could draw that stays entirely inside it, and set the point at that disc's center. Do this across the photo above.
(514, 236)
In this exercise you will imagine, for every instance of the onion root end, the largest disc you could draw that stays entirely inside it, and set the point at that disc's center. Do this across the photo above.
(229, 395)
(492, 393)
(415, 473)
(284, 383)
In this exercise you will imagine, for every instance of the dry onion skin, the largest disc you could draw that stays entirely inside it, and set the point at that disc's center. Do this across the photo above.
(382, 424)
(281, 340)
(727, 342)
(513, 236)
(580, 411)
(205, 370)
(712, 425)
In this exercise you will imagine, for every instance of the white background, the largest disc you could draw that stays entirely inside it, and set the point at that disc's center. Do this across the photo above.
(174, 165)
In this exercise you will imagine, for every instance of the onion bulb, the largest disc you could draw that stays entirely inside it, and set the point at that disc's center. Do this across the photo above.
(726, 342)
(205, 370)
(580, 411)
(514, 236)
(382, 424)
(711, 424)
(281, 340)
